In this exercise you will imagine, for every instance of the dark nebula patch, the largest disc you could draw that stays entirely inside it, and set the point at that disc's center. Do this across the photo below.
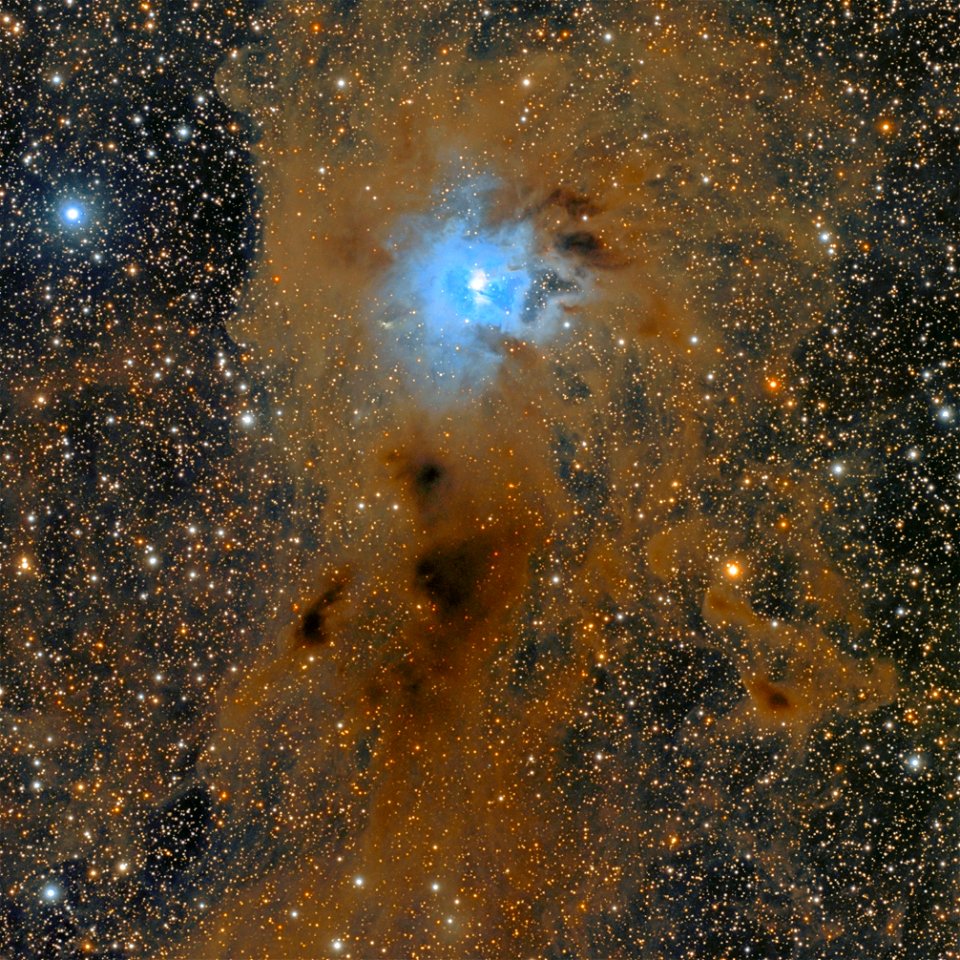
(771, 698)
(427, 477)
(312, 624)
(178, 833)
(452, 575)
(580, 241)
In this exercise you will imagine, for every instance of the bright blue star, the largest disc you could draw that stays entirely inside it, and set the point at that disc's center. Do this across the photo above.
(72, 213)
(916, 762)
(52, 893)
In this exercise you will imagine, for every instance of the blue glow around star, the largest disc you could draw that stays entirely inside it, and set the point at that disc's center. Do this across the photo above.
(468, 280)
(72, 213)
(52, 893)
(460, 287)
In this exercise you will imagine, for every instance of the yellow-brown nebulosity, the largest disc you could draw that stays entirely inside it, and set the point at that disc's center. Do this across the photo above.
(607, 473)
(819, 679)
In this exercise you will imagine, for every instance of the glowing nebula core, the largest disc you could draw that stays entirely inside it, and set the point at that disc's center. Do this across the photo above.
(462, 287)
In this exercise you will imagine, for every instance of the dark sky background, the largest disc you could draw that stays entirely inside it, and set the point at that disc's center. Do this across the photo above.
(479, 479)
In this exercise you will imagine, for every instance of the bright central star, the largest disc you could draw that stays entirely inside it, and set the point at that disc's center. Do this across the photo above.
(478, 281)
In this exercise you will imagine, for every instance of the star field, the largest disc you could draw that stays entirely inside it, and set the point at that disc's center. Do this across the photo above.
(480, 479)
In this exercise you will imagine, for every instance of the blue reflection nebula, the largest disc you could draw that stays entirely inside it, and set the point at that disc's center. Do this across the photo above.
(460, 287)
(465, 280)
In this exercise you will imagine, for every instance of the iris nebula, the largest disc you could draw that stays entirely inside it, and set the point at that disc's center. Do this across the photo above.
(462, 288)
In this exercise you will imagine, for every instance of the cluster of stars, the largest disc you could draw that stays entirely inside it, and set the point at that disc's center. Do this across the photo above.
(479, 480)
